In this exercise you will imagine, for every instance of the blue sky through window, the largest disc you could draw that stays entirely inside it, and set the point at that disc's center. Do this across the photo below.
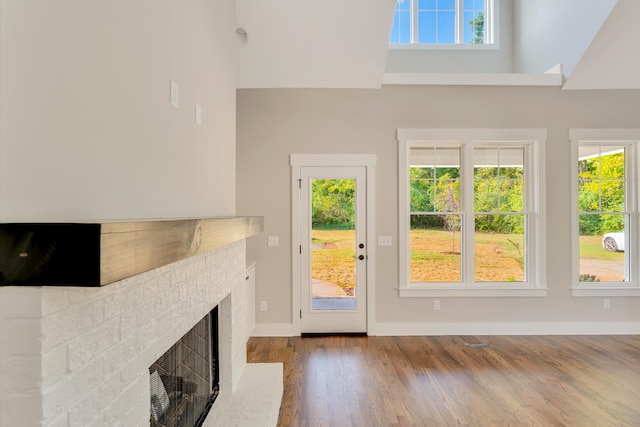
(436, 21)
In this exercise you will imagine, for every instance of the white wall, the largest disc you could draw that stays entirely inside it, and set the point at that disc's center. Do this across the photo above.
(272, 124)
(498, 60)
(550, 32)
(87, 131)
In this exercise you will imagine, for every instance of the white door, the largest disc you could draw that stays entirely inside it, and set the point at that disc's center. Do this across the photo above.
(333, 249)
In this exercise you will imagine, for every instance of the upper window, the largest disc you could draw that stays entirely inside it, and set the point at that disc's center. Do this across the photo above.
(470, 217)
(443, 22)
(606, 211)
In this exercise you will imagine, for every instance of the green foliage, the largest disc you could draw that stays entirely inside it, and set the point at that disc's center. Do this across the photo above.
(601, 189)
(333, 203)
(496, 190)
(477, 25)
(588, 278)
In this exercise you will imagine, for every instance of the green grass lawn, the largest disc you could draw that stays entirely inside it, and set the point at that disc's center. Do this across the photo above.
(591, 247)
(498, 256)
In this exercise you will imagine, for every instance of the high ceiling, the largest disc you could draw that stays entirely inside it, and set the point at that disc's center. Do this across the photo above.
(344, 44)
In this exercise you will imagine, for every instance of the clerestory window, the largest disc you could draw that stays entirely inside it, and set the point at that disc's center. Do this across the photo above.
(470, 212)
(443, 22)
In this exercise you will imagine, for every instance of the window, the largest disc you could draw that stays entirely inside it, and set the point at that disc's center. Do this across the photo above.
(470, 214)
(443, 22)
(606, 212)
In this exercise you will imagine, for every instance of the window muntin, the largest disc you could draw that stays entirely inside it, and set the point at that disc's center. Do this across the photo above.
(443, 22)
(468, 228)
(500, 218)
(435, 215)
(602, 209)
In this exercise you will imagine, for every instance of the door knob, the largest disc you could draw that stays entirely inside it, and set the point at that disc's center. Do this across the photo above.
(361, 245)
(361, 257)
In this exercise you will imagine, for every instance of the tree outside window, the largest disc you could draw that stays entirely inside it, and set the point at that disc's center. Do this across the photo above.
(602, 210)
(442, 22)
(439, 220)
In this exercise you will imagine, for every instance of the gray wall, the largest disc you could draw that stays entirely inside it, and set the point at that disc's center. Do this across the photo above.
(87, 130)
(272, 124)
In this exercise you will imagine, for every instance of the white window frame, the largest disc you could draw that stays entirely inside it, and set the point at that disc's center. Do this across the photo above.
(491, 32)
(630, 138)
(534, 140)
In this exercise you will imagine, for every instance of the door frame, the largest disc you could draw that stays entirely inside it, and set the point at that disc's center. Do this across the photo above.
(297, 162)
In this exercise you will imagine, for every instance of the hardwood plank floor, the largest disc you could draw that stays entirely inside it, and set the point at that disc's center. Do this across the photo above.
(441, 381)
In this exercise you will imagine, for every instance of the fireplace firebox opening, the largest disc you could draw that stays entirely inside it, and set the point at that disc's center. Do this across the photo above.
(185, 380)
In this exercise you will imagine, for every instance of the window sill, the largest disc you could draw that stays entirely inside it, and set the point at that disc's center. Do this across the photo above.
(444, 46)
(473, 79)
(458, 291)
(602, 291)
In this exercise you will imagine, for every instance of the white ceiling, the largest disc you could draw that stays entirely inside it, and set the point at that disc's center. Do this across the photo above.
(344, 44)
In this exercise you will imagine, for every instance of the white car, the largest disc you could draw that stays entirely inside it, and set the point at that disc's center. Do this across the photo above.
(613, 242)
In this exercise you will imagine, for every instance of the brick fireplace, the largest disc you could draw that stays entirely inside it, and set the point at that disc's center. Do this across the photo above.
(73, 356)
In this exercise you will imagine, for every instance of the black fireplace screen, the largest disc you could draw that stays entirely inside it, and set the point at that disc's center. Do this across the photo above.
(185, 380)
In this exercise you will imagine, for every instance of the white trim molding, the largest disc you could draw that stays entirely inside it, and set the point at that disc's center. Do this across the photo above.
(297, 161)
(533, 141)
(474, 79)
(480, 291)
(631, 139)
(506, 328)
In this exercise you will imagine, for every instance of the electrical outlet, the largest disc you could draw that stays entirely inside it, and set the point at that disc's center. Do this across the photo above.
(607, 304)
(273, 241)
(436, 304)
(263, 306)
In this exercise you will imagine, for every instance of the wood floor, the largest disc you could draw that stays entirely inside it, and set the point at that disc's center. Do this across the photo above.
(442, 381)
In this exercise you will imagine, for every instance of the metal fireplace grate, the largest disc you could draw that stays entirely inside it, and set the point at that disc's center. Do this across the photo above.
(184, 381)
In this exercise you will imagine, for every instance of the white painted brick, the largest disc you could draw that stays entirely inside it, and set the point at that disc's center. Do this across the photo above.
(112, 305)
(61, 421)
(116, 332)
(92, 343)
(83, 381)
(54, 366)
(63, 327)
(81, 295)
(116, 357)
(179, 275)
(56, 399)
(84, 411)
(121, 405)
(54, 300)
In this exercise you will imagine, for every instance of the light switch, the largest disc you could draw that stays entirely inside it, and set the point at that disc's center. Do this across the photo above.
(273, 241)
(198, 114)
(174, 93)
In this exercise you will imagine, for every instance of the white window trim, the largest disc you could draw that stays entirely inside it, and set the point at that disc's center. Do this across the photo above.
(536, 281)
(492, 31)
(630, 137)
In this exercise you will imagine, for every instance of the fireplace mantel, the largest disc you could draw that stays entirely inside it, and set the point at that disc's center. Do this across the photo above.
(100, 253)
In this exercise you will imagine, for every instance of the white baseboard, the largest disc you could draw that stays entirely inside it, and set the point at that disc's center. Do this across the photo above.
(526, 328)
(473, 328)
(273, 330)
